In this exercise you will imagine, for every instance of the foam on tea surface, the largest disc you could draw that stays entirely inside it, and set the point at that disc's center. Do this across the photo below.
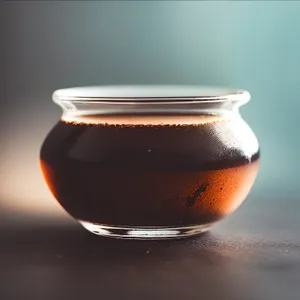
(144, 120)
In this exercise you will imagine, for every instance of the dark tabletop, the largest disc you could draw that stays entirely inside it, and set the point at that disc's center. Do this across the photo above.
(253, 254)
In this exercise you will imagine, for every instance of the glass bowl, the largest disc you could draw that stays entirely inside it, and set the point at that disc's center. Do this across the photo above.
(150, 162)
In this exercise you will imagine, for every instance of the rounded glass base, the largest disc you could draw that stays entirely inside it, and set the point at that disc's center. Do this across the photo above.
(145, 233)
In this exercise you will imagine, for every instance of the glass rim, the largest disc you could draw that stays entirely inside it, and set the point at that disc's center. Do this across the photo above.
(150, 94)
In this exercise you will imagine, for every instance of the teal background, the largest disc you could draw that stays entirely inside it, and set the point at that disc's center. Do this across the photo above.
(253, 45)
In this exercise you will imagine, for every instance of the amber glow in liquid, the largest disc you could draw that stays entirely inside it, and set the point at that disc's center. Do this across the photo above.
(148, 171)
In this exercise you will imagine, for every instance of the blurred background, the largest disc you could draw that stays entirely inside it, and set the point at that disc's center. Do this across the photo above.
(251, 45)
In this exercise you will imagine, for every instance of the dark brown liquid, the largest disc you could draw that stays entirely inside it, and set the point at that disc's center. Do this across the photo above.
(147, 174)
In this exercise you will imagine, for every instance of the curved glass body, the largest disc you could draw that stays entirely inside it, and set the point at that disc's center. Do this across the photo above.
(150, 162)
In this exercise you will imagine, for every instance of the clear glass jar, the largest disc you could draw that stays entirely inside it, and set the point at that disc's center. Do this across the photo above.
(150, 162)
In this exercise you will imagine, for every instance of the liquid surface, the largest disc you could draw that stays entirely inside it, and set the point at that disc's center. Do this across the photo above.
(150, 172)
